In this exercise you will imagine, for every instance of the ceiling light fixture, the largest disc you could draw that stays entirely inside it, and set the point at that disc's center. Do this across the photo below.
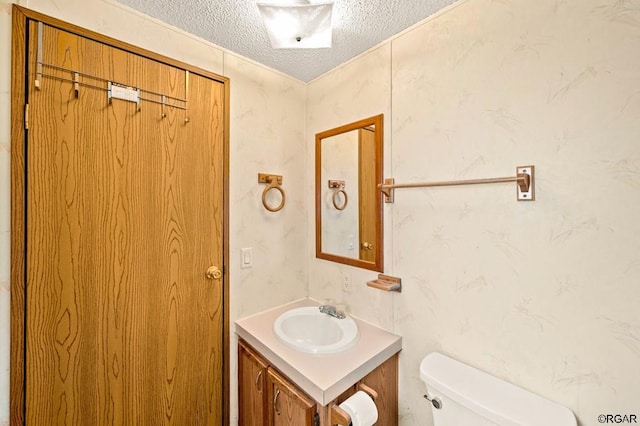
(298, 24)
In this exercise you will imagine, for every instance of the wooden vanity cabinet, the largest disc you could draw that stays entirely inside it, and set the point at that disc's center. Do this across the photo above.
(384, 381)
(266, 397)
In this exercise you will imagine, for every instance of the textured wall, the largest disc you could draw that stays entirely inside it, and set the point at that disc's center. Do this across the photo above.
(267, 130)
(360, 89)
(543, 294)
(267, 135)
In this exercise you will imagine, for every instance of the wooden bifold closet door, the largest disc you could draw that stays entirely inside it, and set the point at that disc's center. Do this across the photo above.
(124, 212)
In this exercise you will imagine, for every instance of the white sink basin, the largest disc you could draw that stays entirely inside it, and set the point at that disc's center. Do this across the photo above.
(309, 330)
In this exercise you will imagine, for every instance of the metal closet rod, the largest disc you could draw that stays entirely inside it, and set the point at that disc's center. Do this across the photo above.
(523, 178)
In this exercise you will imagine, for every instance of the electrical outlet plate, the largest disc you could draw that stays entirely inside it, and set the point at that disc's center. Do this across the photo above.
(346, 283)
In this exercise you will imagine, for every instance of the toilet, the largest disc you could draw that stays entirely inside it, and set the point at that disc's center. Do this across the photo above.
(469, 397)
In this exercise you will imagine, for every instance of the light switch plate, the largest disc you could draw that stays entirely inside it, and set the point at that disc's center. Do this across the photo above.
(246, 257)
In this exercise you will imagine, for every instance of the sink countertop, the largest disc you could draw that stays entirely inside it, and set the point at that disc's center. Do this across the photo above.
(323, 377)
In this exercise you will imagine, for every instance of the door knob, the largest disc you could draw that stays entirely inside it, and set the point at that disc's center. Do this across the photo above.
(367, 246)
(213, 273)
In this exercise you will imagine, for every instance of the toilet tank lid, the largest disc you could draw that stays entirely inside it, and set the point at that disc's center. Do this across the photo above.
(489, 396)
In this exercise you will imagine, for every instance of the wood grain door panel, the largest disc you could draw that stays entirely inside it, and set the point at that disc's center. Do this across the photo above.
(368, 193)
(124, 216)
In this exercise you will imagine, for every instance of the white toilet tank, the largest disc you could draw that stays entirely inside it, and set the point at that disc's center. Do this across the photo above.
(470, 397)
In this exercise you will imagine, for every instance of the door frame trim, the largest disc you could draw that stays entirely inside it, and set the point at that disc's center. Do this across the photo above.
(20, 17)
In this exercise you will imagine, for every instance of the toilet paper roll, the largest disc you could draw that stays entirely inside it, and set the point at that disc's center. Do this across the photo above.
(361, 408)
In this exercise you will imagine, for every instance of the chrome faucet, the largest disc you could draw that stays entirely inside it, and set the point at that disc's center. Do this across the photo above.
(332, 311)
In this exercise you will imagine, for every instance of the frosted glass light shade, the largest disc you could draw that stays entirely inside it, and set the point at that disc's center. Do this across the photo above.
(301, 25)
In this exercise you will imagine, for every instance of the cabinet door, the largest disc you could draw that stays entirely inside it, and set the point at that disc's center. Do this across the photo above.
(252, 395)
(288, 405)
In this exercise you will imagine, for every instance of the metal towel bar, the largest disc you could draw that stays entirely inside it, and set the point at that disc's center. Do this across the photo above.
(524, 179)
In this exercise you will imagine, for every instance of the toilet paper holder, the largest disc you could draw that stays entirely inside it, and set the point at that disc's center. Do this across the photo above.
(342, 418)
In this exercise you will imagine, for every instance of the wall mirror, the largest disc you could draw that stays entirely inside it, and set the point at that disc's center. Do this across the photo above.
(348, 202)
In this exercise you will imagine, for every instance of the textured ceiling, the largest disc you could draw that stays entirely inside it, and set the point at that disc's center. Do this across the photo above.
(237, 26)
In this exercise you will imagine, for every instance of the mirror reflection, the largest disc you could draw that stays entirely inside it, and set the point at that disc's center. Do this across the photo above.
(348, 203)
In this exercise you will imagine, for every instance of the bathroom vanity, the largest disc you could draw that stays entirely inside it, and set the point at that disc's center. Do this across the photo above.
(280, 385)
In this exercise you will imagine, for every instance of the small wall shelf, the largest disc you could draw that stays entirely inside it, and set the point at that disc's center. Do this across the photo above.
(386, 283)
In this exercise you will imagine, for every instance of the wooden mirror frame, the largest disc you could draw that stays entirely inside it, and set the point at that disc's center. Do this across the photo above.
(377, 264)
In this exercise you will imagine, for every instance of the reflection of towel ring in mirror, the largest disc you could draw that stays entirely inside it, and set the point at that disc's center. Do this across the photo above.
(335, 199)
(338, 185)
(274, 182)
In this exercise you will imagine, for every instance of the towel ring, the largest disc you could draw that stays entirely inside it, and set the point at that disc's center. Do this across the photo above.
(273, 185)
(274, 182)
(338, 186)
